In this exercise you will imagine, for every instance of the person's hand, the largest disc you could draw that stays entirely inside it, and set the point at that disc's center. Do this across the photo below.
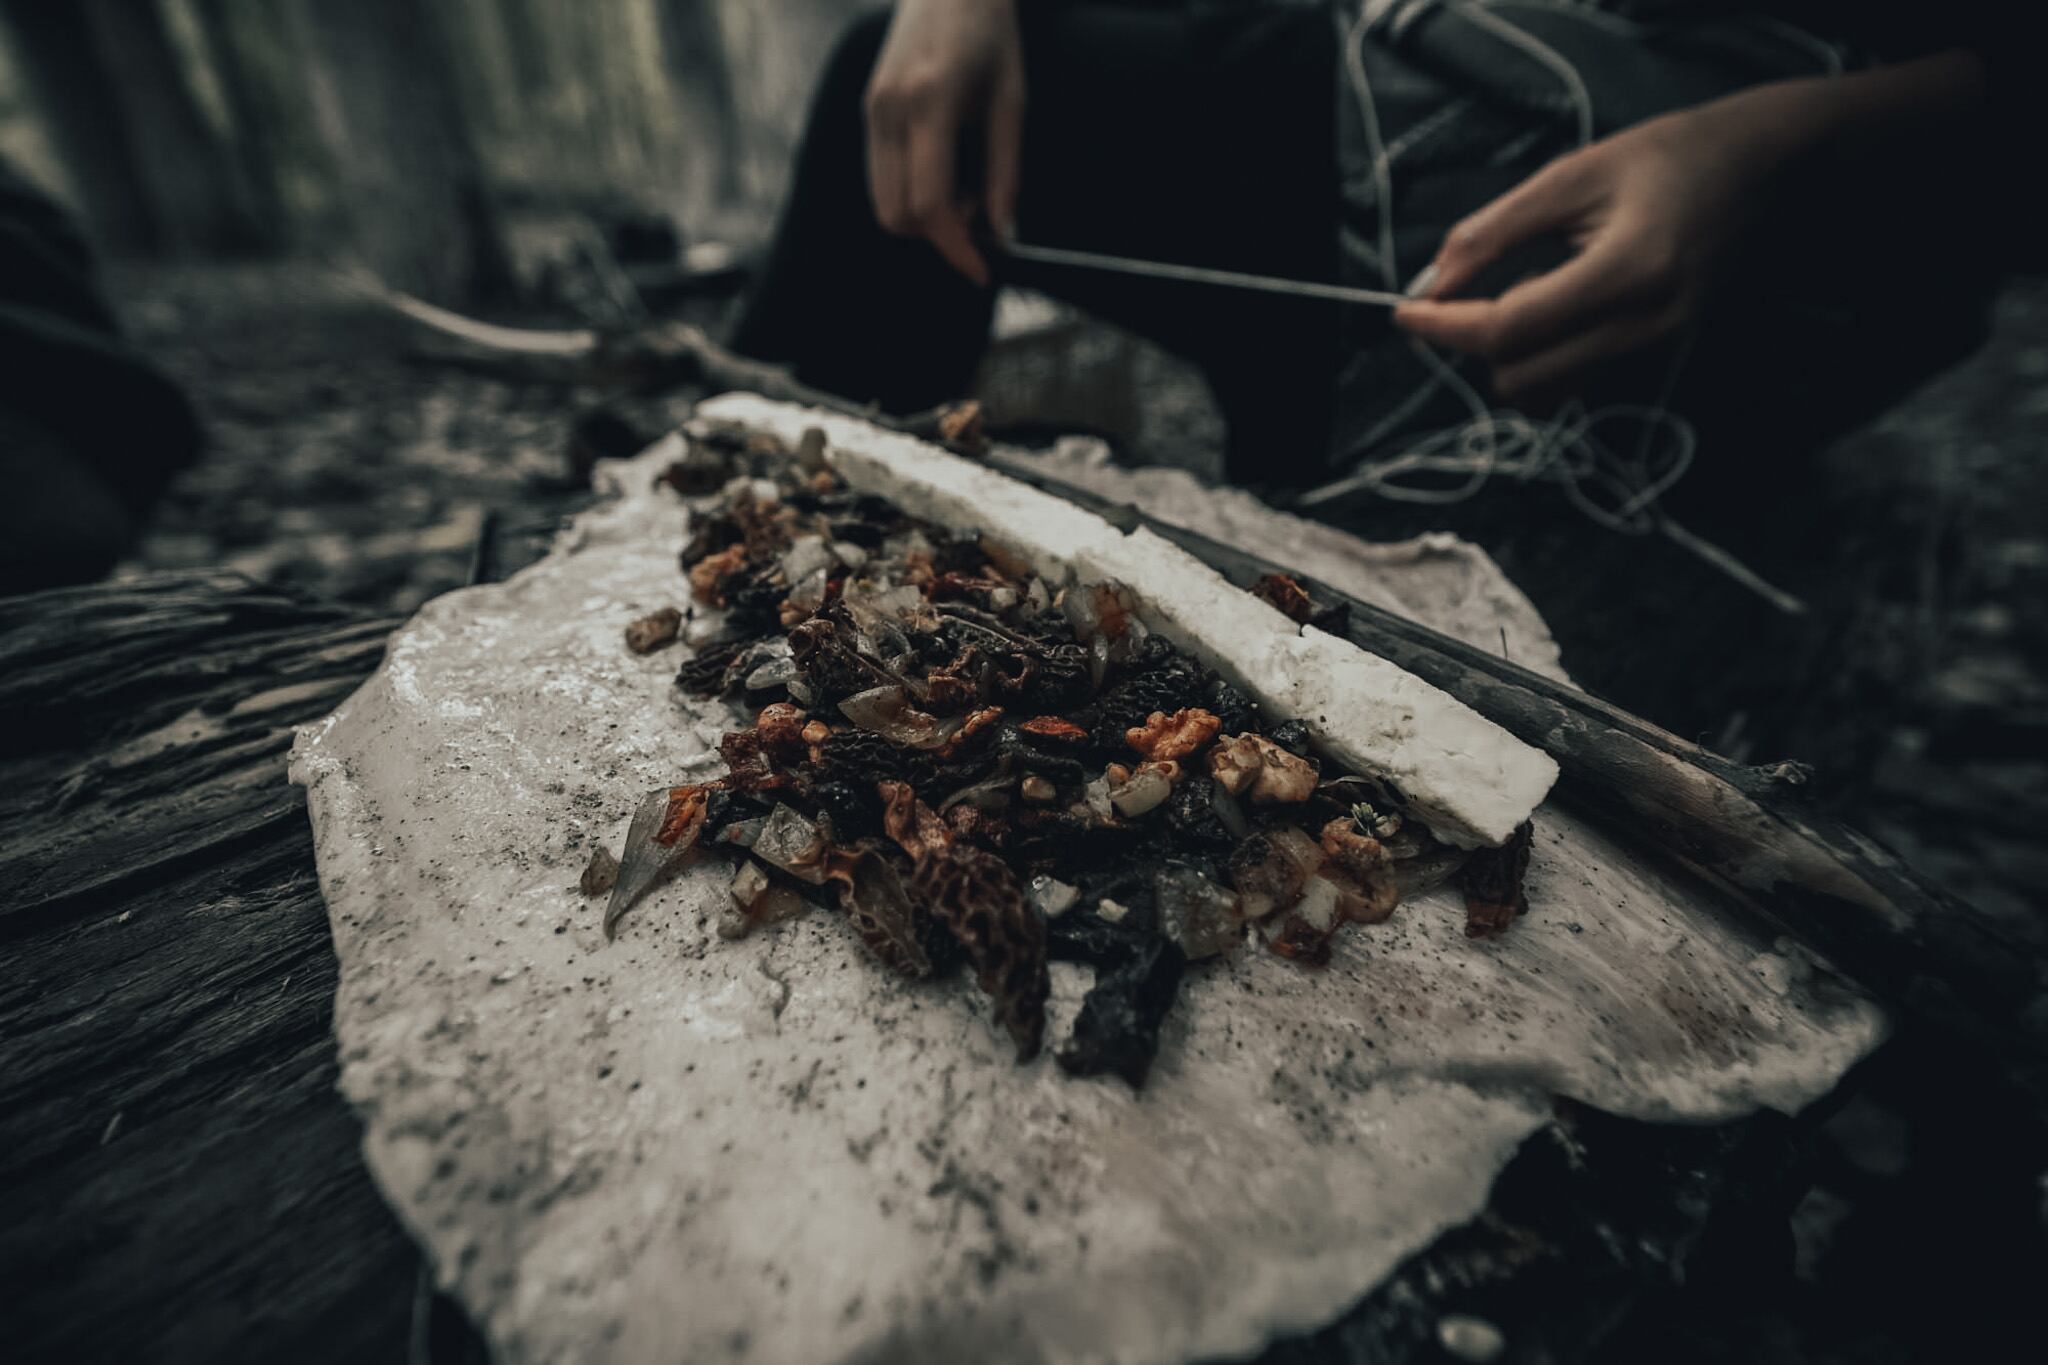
(949, 69)
(1648, 213)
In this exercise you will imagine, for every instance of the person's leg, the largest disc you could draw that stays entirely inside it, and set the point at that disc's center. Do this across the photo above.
(1199, 135)
(848, 307)
(1171, 132)
(90, 431)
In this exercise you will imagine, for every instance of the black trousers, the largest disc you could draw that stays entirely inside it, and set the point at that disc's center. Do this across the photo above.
(1200, 134)
(90, 431)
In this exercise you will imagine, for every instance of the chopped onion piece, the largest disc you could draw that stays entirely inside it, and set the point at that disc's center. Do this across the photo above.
(1318, 904)
(887, 711)
(1052, 896)
(1196, 913)
(757, 901)
(661, 839)
(991, 793)
(1096, 794)
(1147, 788)
(792, 843)
(1228, 811)
(805, 556)
(743, 832)
(809, 592)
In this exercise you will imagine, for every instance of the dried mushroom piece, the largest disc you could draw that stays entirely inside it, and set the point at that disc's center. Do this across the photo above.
(712, 577)
(1117, 1030)
(652, 631)
(781, 728)
(910, 822)
(889, 924)
(704, 673)
(976, 896)
(1492, 882)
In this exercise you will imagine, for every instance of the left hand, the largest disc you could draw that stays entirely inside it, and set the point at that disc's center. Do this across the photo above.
(1649, 212)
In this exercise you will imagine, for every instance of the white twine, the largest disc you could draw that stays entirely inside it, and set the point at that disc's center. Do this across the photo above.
(1617, 491)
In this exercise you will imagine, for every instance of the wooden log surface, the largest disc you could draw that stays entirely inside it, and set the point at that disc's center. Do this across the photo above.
(178, 1178)
(180, 1181)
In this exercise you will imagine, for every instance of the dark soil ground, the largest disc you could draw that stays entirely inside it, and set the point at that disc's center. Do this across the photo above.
(1917, 687)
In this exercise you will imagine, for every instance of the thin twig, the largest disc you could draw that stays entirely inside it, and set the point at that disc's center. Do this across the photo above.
(1718, 558)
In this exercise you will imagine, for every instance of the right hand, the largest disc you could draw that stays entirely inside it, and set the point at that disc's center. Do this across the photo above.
(948, 69)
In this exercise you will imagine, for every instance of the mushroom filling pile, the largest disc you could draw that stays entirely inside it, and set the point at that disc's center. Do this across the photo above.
(978, 770)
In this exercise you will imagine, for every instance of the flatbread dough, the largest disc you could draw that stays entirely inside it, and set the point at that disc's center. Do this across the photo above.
(670, 1147)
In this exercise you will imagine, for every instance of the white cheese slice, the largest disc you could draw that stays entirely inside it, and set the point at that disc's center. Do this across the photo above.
(1192, 605)
(1469, 780)
(929, 482)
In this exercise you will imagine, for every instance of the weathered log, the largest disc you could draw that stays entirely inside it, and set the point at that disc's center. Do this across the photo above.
(178, 1178)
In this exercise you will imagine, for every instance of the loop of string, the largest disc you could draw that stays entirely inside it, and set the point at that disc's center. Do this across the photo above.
(1577, 449)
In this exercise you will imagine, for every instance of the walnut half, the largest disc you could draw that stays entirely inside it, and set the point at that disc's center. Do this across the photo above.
(1164, 737)
(1255, 766)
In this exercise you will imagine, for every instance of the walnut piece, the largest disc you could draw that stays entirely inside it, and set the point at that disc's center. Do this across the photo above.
(713, 574)
(781, 727)
(1280, 591)
(1164, 737)
(654, 630)
(1054, 730)
(1361, 869)
(976, 726)
(1254, 765)
(960, 425)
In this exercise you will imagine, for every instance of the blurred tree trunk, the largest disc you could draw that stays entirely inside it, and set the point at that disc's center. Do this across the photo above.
(67, 74)
(694, 51)
(775, 50)
(185, 167)
(526, 37)
(384, 91)
(237, 34)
